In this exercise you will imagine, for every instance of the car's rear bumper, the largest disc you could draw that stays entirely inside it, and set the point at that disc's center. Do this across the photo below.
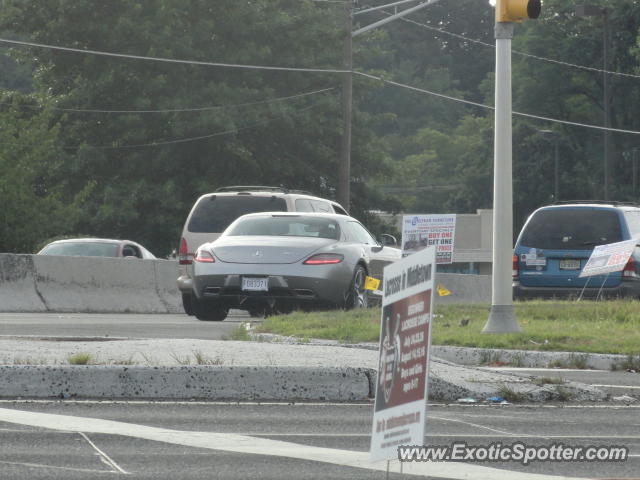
(320, 284)
(628, 288)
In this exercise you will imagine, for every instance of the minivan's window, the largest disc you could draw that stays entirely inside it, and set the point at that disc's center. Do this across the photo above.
(215, 213)
(82, 249)
(571, 229)
(296, 226)
(633, 222)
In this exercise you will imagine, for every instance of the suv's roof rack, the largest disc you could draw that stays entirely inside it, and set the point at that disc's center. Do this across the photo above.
(260, 188)
(599, 202)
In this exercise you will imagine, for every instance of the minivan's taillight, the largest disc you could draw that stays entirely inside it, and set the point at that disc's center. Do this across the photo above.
(515, 272)
(629, 270)
(184, 257)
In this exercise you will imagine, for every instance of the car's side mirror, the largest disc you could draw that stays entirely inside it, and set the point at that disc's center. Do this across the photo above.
(387, 240)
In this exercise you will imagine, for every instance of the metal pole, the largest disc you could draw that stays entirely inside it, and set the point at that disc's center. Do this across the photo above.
(635, 170)
(502, 318)
(556, 170)
(607, 113)
(344, 170)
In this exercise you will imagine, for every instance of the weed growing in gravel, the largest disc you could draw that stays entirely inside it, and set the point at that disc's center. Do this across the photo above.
(510, 395)
(548, 380)
(202, 359)
(80, 358)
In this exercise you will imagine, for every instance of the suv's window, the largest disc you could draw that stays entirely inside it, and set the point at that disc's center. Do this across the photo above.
(633, 222)
(215, 213)
(571, 229)
(339, 210)
(130, 251)
(321, 207)
(361, 234)
(303, 205)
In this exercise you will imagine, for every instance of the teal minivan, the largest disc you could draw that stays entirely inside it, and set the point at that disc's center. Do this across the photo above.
(556, 242)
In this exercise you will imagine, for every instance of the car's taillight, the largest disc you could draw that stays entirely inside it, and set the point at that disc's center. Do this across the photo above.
(629, 270)
(204, 256)
(324, 259)
(184, 257)
(515, 272)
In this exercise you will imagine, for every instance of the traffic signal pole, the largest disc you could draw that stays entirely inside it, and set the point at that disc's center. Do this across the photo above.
(502, 318)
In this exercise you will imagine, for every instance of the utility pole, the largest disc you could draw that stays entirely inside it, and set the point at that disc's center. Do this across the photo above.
(344, 169)
(502, 318)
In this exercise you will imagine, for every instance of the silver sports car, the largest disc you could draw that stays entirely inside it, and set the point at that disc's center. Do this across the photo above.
(276, 262)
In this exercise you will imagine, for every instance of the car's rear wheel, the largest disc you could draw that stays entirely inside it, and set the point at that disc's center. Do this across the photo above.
(208, 310)
(356, 296)
(186, 304)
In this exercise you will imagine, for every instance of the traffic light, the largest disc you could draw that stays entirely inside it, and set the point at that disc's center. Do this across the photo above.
(517, 10)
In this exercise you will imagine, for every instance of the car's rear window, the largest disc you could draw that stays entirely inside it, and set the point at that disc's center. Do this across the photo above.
(298, 226)
(214, 214)
(82, 249)
(571, 229)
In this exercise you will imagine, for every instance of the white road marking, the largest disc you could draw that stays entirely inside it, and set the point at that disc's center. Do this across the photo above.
(103, 456)
(547, 370)
(475, 425)
(47, 467)
(618, 386)
(252, 445)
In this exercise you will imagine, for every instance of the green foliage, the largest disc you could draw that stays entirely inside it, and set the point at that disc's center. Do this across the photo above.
(136, 174)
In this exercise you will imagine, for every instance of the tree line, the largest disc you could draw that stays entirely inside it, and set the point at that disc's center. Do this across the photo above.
(121, 147)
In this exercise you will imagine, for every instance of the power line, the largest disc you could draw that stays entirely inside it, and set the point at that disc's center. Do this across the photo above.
(261, 67)
(169, 60)
(183, 110)
(524, 54)
(482, 105)
(180, 140)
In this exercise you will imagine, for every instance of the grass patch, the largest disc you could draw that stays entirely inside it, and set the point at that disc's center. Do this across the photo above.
(240, 333)
(80, 358)
(581, 327)
(510, 395)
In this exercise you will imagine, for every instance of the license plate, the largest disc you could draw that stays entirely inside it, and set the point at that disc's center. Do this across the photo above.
(255, 284)
(569, 264)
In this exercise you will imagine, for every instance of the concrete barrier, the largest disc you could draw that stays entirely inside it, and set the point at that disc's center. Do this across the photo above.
(86, 284)
(37, 283)
(197, 382)
(464, 288)
(18, 292)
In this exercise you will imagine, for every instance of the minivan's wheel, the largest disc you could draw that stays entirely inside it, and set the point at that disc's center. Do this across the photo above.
(208, 310)
(356, 296)
(186, 304)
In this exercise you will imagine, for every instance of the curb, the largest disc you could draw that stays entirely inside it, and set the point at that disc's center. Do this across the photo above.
(267, 383)
(186, 382)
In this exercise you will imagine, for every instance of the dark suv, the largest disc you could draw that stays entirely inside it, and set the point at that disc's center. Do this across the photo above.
(556, 242)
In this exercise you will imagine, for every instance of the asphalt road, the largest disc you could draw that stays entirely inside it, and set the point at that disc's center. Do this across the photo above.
(156, 440)
(616, 383)
(118, 325)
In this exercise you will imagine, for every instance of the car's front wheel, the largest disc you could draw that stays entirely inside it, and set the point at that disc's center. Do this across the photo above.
(356, 296)
(208, 310)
